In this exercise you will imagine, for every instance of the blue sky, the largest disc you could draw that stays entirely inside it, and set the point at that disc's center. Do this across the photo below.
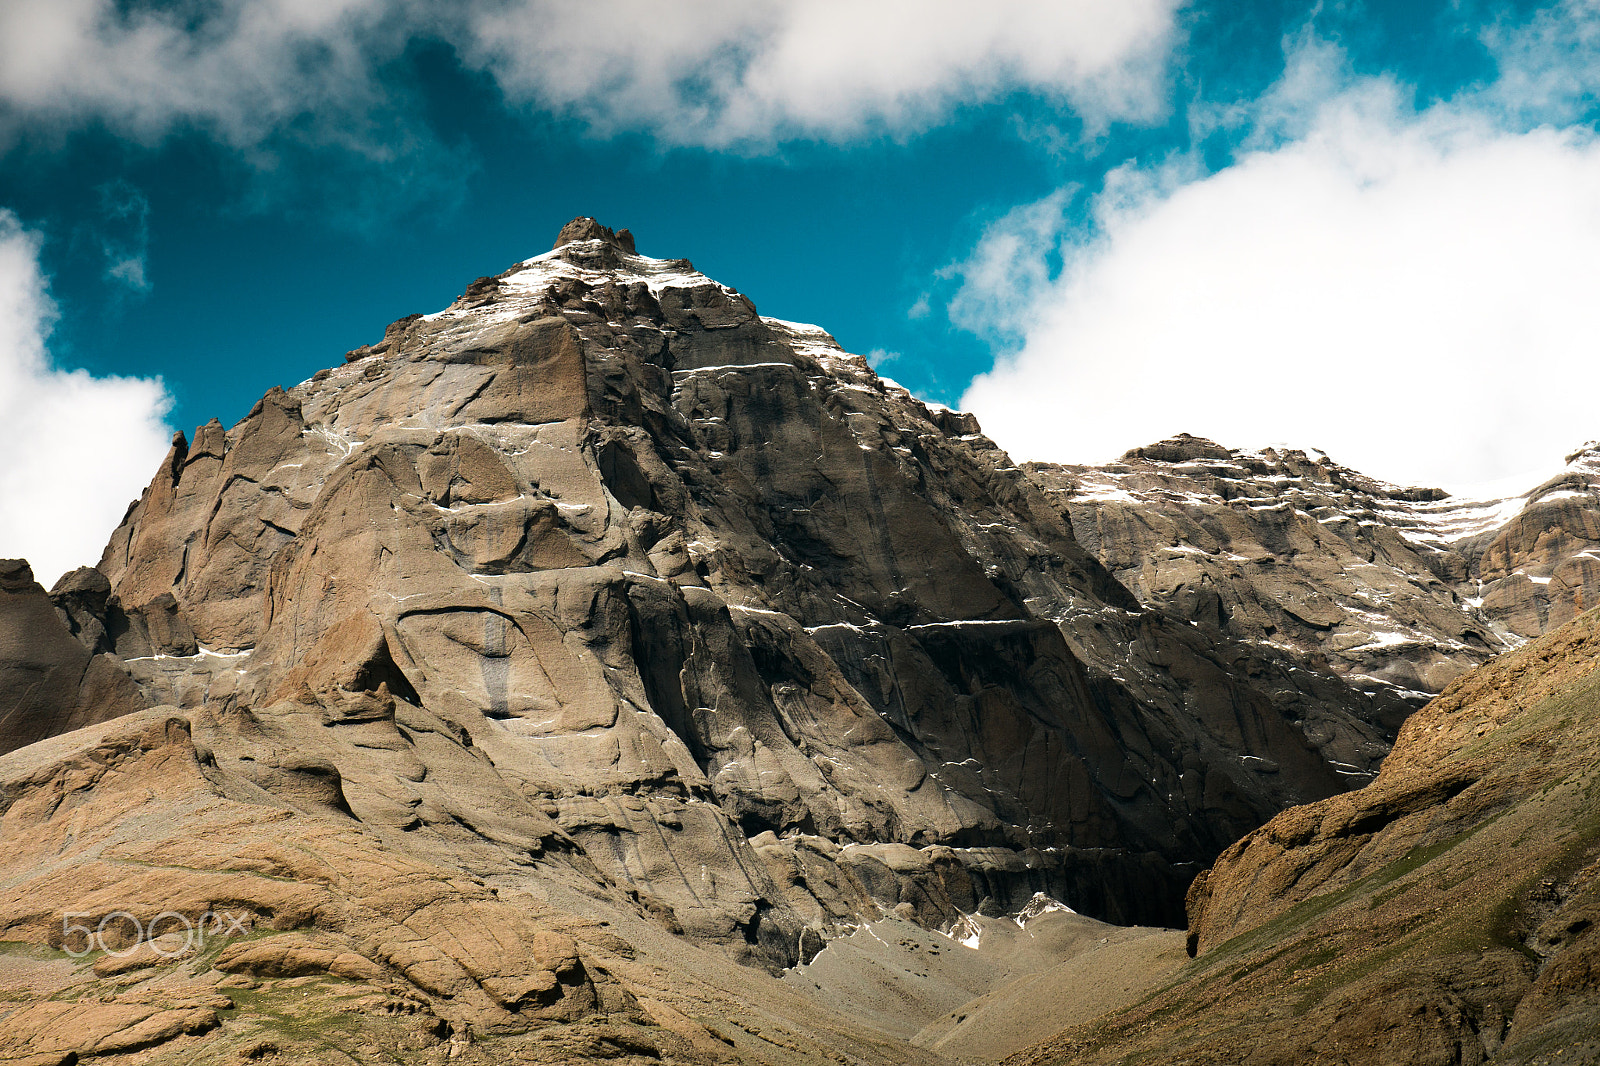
(1095, 222)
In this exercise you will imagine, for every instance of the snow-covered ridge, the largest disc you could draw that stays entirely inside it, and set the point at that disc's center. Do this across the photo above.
(593, 262)
(568, 261)
(1425, 515)
(968, 929)
(1323, 489)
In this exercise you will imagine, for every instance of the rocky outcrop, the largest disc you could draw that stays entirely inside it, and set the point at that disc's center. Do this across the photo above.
(587, 229)
(49, 682)
(599, 593)
(98, 619)
(1444, 913)
(1541, 566)
(1396, 590)
(226, 922)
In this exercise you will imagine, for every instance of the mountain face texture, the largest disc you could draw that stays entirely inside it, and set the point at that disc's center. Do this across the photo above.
(1445, 913)
(518, 679)
(1397, 590)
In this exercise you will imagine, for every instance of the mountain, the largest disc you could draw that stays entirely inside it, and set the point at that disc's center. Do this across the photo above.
(545, 675)
(1445, 913)
(1396, 590)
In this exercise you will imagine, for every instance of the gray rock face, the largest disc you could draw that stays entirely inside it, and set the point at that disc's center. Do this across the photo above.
(1397, 590)
(598, 577)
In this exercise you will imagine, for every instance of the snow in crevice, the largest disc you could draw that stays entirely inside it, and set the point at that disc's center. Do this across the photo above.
(966, 931)
(200, 656)
(1040, 904)
(337, 444)
(729, 366)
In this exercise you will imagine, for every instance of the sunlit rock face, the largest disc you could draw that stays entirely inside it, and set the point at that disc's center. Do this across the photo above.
(1397, 590)
(597, 585)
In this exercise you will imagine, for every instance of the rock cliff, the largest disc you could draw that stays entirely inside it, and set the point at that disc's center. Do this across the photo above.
(1397, 590)
(597, 627)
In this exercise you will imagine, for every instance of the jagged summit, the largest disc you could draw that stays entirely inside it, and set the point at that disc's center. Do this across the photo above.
(587, 229)
(1201, 455)
(1180, 449)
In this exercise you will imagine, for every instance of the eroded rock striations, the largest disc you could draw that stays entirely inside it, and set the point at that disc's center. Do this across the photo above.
(1397, 590)
(598, 594)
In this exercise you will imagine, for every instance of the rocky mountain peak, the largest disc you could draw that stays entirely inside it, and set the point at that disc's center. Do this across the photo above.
(17, 576)
(1587, 456)
(587, 229)
(600, 589)
(1182, 448)
(538, 511)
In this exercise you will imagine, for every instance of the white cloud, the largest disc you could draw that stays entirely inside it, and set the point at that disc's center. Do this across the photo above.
(77, 448)
(305, 92)
(1412, 292)
(241, 68)
(738, 71)
(1004, 277)
(717, 72)
(1549, 66)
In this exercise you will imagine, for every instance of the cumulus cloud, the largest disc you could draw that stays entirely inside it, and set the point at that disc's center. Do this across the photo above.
(77, 448)
(714, 73)
(1411, 291)
(755, 70)
(1006, 275)
(240, 68)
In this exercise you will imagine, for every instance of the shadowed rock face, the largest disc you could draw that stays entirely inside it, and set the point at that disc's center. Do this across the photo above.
(49, 682)
(1444, 913)
(599, 585)
(1397, 590)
